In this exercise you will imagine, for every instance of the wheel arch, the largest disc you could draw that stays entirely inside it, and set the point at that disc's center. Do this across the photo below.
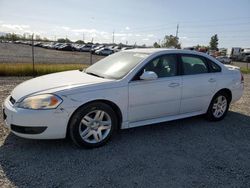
(114, 106)
(226, 91)
(223, 90)
(228, 94)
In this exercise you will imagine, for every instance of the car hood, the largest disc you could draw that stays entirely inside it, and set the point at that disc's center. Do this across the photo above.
(56, 81)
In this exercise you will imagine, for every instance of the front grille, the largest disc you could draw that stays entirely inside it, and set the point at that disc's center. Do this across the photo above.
(12, 100)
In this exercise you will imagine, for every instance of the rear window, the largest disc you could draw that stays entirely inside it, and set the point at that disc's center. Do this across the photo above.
(213, 66)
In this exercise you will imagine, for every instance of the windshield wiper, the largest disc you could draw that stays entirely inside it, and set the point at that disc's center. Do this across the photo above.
(93, 74)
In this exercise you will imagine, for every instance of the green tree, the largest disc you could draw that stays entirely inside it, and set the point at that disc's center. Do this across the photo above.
(63, 40)
(12, 36)
(214, 42)
(80, 42)
(45, 39)
(37, 37)
(156, 45)
(171, 41)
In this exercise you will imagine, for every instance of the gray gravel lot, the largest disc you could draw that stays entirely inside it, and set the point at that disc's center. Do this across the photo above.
(186, 153)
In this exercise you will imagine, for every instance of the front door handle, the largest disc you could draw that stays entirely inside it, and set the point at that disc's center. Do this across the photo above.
(212, 80)
(173, 85)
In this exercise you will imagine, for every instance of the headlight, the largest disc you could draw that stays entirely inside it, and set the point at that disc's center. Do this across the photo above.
(40, 102)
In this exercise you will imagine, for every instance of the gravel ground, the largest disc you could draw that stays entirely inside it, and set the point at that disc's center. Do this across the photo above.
(186, 153)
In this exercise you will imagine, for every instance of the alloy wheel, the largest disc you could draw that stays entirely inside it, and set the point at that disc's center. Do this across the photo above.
(95, 126)
(219, 106)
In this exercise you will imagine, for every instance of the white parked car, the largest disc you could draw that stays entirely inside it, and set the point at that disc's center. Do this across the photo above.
(104, 51)
(224, 59)
(127, 89)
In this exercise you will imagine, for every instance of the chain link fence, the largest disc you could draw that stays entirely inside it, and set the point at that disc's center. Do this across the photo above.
(22, 53)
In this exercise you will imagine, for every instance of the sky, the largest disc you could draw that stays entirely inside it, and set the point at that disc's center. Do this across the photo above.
(131, 21)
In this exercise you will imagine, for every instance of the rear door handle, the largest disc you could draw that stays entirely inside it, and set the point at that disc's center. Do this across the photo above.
(212, 80)
(173, 85)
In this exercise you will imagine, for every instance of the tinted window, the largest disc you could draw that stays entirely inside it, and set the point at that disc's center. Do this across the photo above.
(193, 65)
(164, 66)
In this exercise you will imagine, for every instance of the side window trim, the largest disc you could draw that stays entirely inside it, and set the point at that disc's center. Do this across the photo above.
(159, 56)
(193, 55)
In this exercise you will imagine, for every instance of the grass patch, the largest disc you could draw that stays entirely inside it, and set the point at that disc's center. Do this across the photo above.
(245, 70)
(25, 69)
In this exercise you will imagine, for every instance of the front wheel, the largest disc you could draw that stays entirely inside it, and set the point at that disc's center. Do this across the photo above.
(93, 125)
(218, 107)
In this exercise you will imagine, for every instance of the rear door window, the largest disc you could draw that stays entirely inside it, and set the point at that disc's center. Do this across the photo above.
(193, 65)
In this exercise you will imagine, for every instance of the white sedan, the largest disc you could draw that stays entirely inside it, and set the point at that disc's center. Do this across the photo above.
(128, 89)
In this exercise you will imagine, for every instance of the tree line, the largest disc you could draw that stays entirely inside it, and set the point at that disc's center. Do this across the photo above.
(171, 41)
(24, 37)
(28, 37)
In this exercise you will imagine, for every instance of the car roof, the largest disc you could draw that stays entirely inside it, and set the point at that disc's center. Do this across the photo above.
(161, 50)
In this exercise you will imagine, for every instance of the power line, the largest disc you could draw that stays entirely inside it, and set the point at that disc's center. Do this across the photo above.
(217, 31)
(190, 26)
(220, 37)
(193, 21)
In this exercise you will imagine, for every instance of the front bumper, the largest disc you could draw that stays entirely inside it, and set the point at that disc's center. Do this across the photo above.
(35, 124)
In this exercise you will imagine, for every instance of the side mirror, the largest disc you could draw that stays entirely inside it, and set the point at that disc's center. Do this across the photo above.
(149, 75)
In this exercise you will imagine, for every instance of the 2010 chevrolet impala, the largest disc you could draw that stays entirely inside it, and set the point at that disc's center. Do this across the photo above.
(128, 89)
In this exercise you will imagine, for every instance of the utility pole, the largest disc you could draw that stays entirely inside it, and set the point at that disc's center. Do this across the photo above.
(33, 57)
(113, 37)
(83, 37)
(177, 30)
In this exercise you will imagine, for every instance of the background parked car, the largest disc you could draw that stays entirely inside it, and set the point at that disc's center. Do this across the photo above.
(87, 47)
(224, 59)
(116, 48)
(104, 51)
(98, 47)
(66, 47)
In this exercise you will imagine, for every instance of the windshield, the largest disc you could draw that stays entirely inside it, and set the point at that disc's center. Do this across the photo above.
(116, 66)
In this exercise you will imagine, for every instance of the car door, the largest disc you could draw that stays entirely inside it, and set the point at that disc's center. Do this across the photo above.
(198, 82)
(149, 99)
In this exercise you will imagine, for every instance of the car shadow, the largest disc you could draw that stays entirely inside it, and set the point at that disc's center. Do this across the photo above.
(190, 151)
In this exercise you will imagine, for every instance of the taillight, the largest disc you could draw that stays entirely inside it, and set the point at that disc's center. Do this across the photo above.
(242, 78)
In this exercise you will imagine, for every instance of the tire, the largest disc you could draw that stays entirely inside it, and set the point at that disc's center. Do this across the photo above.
(218, 107)
(93, 125)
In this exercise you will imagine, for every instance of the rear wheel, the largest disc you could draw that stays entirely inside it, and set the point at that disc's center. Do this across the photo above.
(218, 107)
(93, 125)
